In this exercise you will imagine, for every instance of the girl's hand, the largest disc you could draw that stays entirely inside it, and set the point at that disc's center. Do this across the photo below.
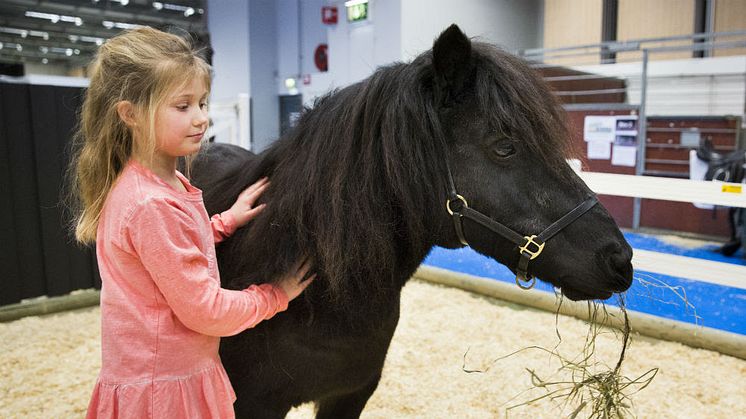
(293, 283)
(243, 210)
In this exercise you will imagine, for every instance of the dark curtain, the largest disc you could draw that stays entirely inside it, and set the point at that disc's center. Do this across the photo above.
(38, 255)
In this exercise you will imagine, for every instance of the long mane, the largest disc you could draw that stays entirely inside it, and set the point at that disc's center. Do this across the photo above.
(357, 183)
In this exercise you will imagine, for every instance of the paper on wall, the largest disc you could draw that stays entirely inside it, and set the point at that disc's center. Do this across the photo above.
(600, 150)
(599, 128)
(624, 155)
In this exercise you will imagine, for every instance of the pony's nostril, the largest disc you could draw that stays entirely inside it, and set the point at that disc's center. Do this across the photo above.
(620, 262)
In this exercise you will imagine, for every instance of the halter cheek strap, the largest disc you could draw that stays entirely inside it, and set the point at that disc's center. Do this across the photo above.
(529, 247)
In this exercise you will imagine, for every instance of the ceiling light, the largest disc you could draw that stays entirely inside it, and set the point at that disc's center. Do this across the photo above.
(40, 34)
(69, 52)
(73, 38)
(76, 51)
(92, 39)
(14, 31)
(188, 12)
(1, 45)
(120, 25)
(157, 5)
(44, 50)
(55, 18)
(19, 48)
(44, 61)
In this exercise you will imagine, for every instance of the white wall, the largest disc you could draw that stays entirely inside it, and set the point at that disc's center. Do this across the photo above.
(511, 24)
(265, 104)
(694, 86)
(313, 33)
(299, 33)
(287, 42)
(357, 49)
(227, 21)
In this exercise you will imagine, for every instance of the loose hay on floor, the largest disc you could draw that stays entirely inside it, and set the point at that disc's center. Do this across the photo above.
(49, 364)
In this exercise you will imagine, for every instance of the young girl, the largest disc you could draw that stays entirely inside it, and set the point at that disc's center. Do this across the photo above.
(162, 307)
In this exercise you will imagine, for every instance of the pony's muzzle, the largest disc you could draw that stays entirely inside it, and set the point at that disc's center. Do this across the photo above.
(619, 262)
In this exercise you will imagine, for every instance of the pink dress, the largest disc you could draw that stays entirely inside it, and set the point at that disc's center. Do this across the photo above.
(162, 308)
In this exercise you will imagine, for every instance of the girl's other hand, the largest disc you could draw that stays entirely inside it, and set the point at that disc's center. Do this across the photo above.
(243, 209)
(294, 282)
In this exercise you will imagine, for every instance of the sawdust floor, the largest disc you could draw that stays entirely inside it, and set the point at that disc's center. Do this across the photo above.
(48, 364)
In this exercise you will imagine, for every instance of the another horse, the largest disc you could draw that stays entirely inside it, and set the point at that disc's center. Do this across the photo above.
(727, 168)
(365, 186)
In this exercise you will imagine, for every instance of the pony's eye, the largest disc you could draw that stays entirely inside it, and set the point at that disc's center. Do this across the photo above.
(502, 149)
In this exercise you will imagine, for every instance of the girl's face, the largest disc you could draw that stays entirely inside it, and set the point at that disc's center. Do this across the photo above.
(180, 123)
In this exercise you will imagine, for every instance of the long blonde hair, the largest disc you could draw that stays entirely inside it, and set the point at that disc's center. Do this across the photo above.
(141, 66)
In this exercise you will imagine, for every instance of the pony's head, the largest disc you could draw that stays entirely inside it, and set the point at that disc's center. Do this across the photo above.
(506, 145)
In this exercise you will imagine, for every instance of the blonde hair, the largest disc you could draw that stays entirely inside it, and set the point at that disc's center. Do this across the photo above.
(141, 66)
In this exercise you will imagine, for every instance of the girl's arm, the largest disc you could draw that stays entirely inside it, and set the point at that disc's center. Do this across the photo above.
(164, 238)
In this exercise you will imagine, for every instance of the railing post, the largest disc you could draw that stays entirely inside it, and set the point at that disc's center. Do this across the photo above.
(642, 125)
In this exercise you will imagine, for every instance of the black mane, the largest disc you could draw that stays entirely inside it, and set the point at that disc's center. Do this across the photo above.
(348, 181)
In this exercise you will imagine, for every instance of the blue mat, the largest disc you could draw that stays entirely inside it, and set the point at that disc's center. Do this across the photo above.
(710, 305)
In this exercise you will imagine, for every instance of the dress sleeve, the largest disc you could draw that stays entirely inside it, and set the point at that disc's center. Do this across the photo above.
(165, 239)
(223, 225)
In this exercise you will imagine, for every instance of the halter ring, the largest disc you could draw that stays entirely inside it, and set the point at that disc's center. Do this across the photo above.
(531, 281)
(461, 198)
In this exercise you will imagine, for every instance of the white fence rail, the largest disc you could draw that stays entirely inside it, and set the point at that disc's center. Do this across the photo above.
(667, 189)
(230, 121)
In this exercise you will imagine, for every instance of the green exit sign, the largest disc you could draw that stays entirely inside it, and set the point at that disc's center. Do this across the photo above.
(357, 10)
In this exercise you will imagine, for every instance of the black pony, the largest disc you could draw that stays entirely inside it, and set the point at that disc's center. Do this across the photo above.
(360, 187)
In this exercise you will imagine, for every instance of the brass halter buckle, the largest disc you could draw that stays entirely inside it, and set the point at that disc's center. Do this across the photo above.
(448, 203)
(534, 252)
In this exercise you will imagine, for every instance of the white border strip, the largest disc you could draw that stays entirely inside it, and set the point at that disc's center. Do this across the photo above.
(726, 274)
(668, 189)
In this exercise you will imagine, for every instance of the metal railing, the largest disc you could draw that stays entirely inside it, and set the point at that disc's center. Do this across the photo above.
(658, 80)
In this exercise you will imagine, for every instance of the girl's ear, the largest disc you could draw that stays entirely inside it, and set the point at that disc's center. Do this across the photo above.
(126, 111)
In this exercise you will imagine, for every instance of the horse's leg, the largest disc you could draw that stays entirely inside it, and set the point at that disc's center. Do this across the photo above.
(347, 406)
(728, 249)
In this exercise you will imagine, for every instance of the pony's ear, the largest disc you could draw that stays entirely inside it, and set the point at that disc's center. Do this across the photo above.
(452, 63)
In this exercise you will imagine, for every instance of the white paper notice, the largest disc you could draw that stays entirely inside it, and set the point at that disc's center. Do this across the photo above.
(624, 156)
(599, 128)
(600, 150)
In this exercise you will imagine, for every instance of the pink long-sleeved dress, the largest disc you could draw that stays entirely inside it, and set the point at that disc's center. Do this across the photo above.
(162, 308)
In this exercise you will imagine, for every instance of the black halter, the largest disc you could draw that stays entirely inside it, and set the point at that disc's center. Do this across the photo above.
(529, 247)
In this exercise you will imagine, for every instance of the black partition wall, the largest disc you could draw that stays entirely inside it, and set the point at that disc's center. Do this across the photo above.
(37, 255)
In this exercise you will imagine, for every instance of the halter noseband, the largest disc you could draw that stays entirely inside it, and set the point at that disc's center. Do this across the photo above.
(529, 247)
